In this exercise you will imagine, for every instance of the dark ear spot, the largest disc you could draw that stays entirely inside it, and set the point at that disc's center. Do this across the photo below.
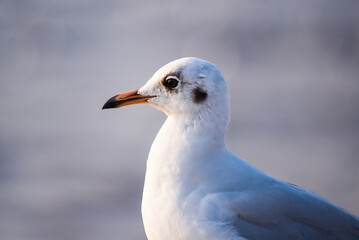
(199, 95)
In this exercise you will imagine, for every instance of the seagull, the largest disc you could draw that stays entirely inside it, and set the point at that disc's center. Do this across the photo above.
(196, 188)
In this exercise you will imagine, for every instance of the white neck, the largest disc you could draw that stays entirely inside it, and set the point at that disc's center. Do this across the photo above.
(187, 137)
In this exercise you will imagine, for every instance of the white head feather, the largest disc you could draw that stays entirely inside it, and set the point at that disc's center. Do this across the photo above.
(201, 88)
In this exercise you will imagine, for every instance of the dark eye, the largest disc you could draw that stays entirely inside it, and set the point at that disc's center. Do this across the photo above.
(171, 82)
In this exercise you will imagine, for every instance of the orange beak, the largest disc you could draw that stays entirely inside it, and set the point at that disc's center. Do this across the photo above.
(124, 99)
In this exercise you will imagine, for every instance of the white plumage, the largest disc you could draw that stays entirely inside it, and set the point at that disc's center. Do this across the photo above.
(196, 188)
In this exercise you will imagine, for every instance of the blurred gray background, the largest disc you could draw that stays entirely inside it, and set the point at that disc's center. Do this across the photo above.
(71, 171)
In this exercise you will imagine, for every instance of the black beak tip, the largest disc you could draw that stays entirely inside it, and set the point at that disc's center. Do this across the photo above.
(111, 103)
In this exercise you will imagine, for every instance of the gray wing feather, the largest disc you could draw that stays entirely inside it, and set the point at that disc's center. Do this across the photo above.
(280, 210)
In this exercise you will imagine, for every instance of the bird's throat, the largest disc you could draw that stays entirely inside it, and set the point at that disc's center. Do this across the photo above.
(183, 139)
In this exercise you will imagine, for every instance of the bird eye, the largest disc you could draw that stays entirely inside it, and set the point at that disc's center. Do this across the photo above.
(171, 82)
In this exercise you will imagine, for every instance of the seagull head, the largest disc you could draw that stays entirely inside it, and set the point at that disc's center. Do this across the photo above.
(184, 87)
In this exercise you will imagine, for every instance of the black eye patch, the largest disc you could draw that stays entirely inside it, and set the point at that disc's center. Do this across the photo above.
(199, 95)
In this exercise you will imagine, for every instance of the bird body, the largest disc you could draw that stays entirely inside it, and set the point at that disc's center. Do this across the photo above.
(196, 188)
